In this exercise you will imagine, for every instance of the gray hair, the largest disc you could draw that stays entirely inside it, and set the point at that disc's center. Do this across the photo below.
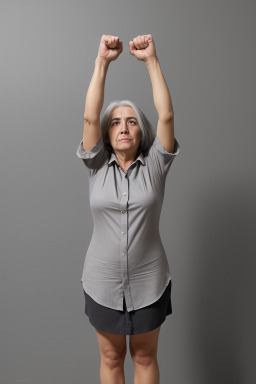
(147, 131)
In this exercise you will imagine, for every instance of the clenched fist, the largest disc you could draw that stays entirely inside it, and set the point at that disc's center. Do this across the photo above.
(143, 47)
(110, 47)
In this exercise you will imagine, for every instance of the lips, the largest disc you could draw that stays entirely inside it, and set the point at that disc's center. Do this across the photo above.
(124, 140)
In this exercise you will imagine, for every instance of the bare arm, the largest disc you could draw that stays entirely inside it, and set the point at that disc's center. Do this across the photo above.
(93, 104)
(161, 94)
(163, 104)
(109, 50)
(95, 94)
(143, 48)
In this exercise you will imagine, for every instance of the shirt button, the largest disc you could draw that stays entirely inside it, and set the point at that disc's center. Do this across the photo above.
(122, 254)
(122, 211)
(122, 233)
(124, 193)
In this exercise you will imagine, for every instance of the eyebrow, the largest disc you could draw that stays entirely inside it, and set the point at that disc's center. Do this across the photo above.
(129, 117)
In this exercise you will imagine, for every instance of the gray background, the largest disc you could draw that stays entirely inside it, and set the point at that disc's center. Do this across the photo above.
(206, 51)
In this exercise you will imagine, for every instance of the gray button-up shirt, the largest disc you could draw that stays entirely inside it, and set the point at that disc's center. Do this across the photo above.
(126, 256)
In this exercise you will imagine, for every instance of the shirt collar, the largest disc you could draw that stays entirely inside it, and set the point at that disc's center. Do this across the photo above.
(113, 158)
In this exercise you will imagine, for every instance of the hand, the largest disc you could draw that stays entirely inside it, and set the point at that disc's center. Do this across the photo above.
(143, 47)
(110, 48)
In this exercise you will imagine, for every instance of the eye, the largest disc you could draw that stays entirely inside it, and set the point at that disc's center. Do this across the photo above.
(129, 121)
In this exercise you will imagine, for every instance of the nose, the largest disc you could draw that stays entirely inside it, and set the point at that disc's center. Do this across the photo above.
(124, 128)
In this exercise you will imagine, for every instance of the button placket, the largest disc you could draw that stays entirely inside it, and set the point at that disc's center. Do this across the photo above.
(124, 240)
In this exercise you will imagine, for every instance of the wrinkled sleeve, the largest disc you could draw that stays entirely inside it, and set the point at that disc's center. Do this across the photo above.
(161, 159)
(93, 157)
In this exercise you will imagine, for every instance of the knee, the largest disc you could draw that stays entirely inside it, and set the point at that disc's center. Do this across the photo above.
(143, 358)
(113, 359)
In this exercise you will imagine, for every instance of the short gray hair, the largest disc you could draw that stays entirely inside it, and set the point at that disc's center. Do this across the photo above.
(147, 131)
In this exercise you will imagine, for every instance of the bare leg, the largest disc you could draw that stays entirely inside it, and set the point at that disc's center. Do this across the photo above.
(143, 348)
(113, 352)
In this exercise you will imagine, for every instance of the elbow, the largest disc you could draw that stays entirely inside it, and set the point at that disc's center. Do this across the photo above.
(87, 119)
(168, 116)
(91, 120)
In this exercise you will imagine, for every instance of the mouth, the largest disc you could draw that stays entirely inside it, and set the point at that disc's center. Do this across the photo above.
(124, 140)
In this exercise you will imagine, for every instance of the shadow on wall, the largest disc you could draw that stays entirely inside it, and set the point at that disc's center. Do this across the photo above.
(223, 275)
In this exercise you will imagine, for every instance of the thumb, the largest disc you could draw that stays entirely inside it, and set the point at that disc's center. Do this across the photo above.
(120, 48)
(131, 46)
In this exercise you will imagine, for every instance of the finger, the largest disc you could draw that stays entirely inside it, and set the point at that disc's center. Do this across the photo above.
(107, 40)
(136, 42)
(108, 36)
(131, 43)
(117, 42)
(110, 41)
(141, 42)
(131, 47)
(120, 47)
(148, 38)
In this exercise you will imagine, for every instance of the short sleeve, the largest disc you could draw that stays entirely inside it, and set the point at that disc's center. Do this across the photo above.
(94, 157)
(162, 159)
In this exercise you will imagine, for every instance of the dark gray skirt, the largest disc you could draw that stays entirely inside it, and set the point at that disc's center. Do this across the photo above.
(129, 323)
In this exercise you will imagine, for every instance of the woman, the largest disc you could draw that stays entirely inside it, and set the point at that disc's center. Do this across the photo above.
(126, 278)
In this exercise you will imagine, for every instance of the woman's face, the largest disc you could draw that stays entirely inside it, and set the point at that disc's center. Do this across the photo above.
(124, 124)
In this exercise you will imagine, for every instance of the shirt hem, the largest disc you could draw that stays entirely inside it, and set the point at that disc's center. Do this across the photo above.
(100, 301)
(155, 299)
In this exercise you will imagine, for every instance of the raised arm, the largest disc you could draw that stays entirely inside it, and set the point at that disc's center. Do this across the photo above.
(163, 104)
(143, 48)
(109, 49)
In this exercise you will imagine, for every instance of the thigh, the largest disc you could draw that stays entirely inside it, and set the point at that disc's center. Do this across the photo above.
(110, 344)
(144, 343)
